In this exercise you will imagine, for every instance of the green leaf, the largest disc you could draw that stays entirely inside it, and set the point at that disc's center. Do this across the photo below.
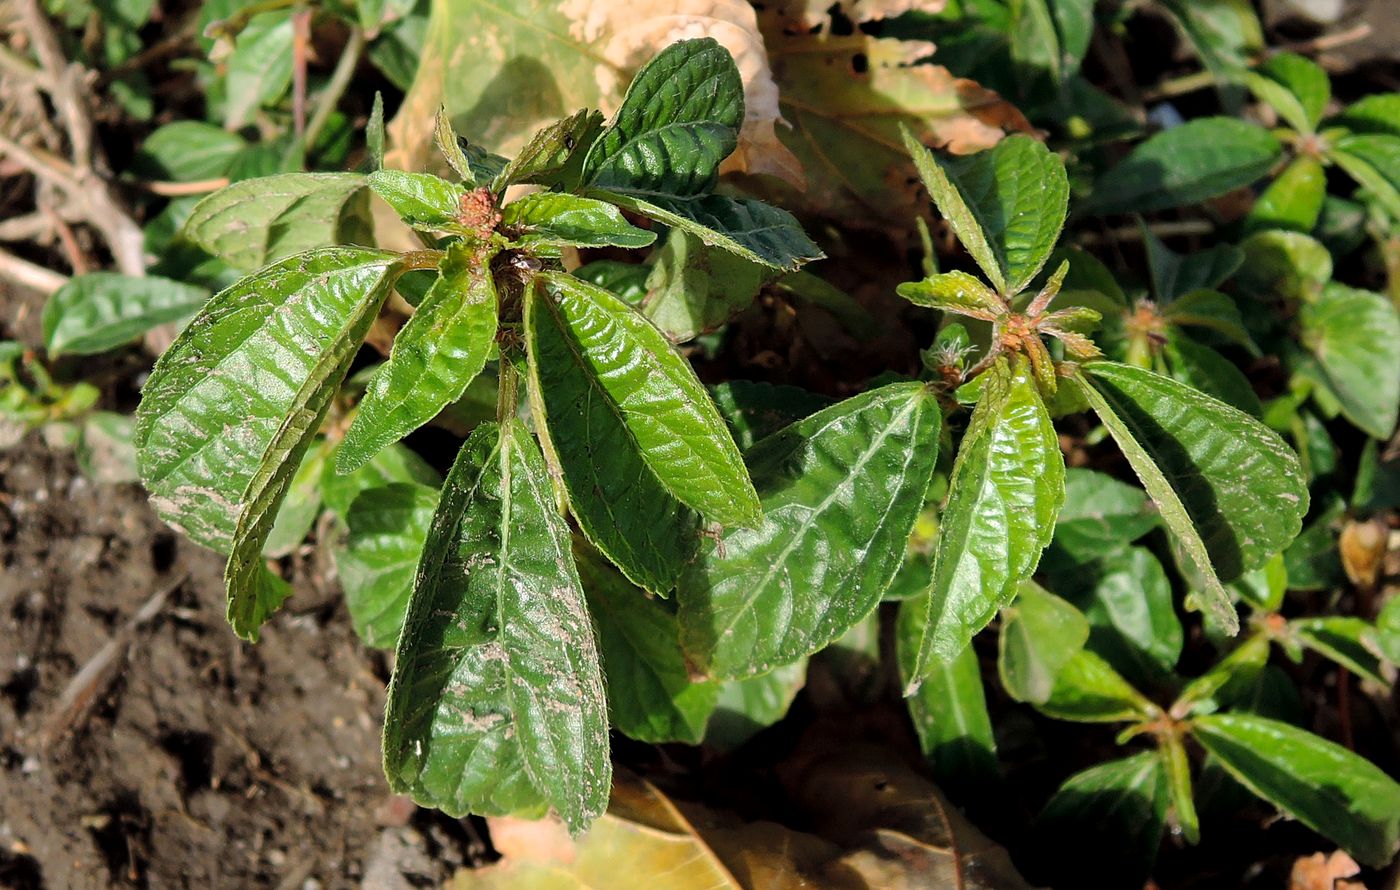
(260, 69)
(1214, 311)
(422, 200)
(1296, 87)
(1122, 806)
(1005, 492)
(1131, 597)
(579, 360)
(254, 222)
(1293, 201)
(374, 133)
(1202, 368)
(388, 527)
(433, 360)
(1227, 681)
(1343, 639)
(747, 706)
(242, 376)
(679, 120)
(1100, 515)
(1088, 690)
(754, 410)
(496, 704)
(1229, 489)
(1288, 265)
(693, 289)
(1194, 162)
(394, 464)
(840, 490)
(1323, 785)
(1174, 275)
(651, 697)
(954, 292)
(1224, 33)
(1355, 336)
(1040, 634)
(1178, 768)
(627, 280)
(548, 154)
(1373, 160)
(559, 220)
(751, 229)
(1007, 205)
(99, 311)
(1376, 113)
(949, 710)
(105, 451)
(664, 408)
(301, 506)
(188, 151)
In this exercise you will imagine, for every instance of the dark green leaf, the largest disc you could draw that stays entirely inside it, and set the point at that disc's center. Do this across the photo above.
(1040, 634)
(755, 410)
(551, 151)
(1174, 275)
(388, 526)
(435, 356)
(1355, 336)
(254, 222)
(1287, 265)
(1321, 784)
(394, 464)
(301, 506)
(651, 697)
(560, 220)
(1132, 596)
(679, 120)
(1202, 368)
(627, 280)
(840, 490)
(747, 706)
(1194, 162)
(1006, 490)
(1228, 680)
(1122, 806)
(99, 311)
(1343, 639)
(655, 393)
(187, 151)
(1373, 160)
(497, 704)
(1214, 311)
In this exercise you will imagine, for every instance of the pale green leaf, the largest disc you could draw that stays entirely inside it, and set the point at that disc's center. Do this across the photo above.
(955, 292)
(1296, 87)
(560, 220)
(420, 199)
(551, 151)
(693, 289)
(496, 704)
(1373, 160)
(1355, 336)
(301, 506)
(840, 490)
(259, 71)
(1040, 633)
(393, 464)
(1088, 690)
(99, 311)
(1100, 515)
(1293, 201)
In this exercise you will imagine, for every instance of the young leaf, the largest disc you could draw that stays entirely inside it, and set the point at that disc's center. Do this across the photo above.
(841, 490)
(954, 292)
(560, 220)
(422, 200)
(651, 696)
(1293, 201)
(1188, 164)
(1005, 492)
(619, 500)
(1355, 336)
(1296, 87)
(550, 151)
(1088, 690)
(1373, 160)
(201, 430)
(254, 222)
(434, 358)
(388, 527)
(665, 409)
(1228, 487)
(1122, 804)
(374, 133)
(1039, 635)
(1228, 680)
(949, 710)
(1323, 785)
(679, 120)
(1007, 205)
(99, 311)
(496, 704)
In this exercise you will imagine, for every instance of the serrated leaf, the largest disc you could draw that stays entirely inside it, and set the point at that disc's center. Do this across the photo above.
(756, 231)
(1296, 87)
(434, 357)
(663, 406)
(496, 705)
(949, 710)
(560, 220)
(1006, 489)
(840, 490)
(254, 222)
(1100, 515)
(99, 311)
(1007, 205)
(616, 496)
(388, 525)
(1229, 489)
(1194, 162)
(1122, 805)
(1040, 633)
(1294, 200)
(954, 292)
(420, 199)
(551, 151)
(220, 394)
(651, 696)
(692, 289)
(1355, 336)
(1323, 785)
(679, 120)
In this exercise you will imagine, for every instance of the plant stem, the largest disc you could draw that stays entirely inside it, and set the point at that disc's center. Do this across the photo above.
(508, 389)
(334, 89)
